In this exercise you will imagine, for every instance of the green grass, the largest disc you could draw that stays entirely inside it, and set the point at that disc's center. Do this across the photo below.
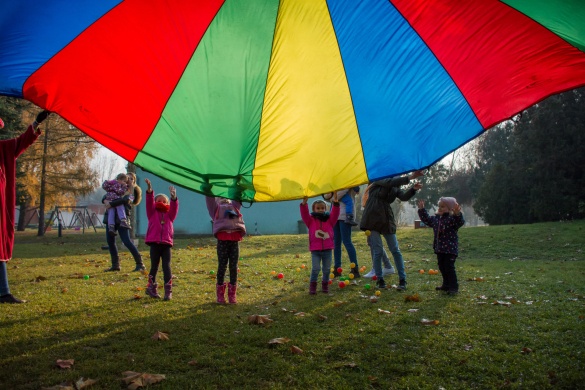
(538, 269)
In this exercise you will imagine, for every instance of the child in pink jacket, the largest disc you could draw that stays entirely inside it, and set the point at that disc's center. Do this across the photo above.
(320, 224)
(161, 214)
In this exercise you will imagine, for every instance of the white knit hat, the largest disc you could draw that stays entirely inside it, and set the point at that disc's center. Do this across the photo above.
(449, 202)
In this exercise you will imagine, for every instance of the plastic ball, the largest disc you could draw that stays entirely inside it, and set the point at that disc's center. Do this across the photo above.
(298, 270)
(339, 270)
(272, 272)
(367, 286)
(303, 266)
(331, 276)
(211, 272)
(351, 276)
(330, 281)
(346, 282)
(352, 265)
(341, 285)
(421, 271)
(378, 293)
(374, 277)
(85, 277)
(367, 233)
(280, 275)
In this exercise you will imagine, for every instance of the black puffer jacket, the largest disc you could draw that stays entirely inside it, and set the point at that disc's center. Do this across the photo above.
(378, 215)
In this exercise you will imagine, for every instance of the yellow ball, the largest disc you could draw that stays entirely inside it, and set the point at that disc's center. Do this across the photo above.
(351, 276)
(367, 232)
(352, 265)
(298, 270)
(346, 282)
(272, 272)
(331, 276)
(378, 293)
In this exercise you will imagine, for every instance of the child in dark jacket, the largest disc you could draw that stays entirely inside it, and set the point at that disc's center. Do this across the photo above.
(229, 229)
(445, 224)
(321, 244)
(159, 236)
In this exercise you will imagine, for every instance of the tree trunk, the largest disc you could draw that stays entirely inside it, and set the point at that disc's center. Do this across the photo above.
(23, 206)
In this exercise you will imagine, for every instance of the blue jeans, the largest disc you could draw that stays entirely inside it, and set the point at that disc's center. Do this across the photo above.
(321, 261)
(378, 253)
(125, 237)
(342, 234)
(4, 289)
(385, 259)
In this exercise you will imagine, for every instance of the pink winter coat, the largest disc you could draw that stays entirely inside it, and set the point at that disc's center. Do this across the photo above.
(320, 233)
(160, 224)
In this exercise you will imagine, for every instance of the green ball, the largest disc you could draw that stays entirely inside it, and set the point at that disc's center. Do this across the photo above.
(211, 272)
(367, 286)
(85, 277)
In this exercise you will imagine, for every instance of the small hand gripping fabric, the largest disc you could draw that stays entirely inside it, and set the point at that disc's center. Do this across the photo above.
(42, 116)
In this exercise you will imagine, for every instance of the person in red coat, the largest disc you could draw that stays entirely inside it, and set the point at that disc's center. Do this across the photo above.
(10, 149)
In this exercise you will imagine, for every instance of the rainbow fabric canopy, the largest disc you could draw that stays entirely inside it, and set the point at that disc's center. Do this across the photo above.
(267, 100)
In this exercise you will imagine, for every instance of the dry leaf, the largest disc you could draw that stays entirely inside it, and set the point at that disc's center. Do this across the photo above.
(136, 380)
(321, 317)
(383, 311)
(279, 340)
(62, 386)
(412, 310)
(503, 303)
(412, 298)
(258, 319)
(424, 321)
(65, 363)
(136, 296)
(339, 303)
(296, 350)
(39, 279)
(477, 279)
(160, 336)
(84, 383)
(373, 299)
(300, 314)
(192, 363)
(526, 350)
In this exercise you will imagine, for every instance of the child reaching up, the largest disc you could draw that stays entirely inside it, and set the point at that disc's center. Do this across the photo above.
(320, 224)
(229, 229)
(348, 200)
(159, 236)
(445, 224)
(116, 189)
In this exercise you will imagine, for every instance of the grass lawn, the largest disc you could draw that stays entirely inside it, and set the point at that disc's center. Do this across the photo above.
(519, 321)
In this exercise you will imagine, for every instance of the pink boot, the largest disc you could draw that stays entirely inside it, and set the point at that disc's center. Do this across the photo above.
(232, 293)
(151, 288)
(168, 290)
(220, 292)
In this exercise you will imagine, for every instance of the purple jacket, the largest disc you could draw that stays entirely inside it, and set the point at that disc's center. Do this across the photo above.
(226, 216)
(445, 228)
(160, 224)
(320, 233)
(114, 190)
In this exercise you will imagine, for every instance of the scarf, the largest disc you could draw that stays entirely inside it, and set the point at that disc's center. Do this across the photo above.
(163, 207)
(320, 216)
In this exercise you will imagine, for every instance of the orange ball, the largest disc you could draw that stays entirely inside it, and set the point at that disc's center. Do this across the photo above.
(421, 271)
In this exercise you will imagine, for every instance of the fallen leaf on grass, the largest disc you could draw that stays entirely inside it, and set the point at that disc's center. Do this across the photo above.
(477, 279)
(279, 340)
(136, 296)
(321, 317)
(526, 350)
(192, 363)
(296, 350)
(424, 321)
(412, 310)
(339, 303)
(160, 336)
(39, 279)
(84, 383)
(300, 314)
(136, 380)
(412, 298)
(383, 311)
(65, 363)
(258, 319)
(503, 303)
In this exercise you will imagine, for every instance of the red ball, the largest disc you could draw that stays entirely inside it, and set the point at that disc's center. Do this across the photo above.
(280, 275)
(374, 277)
(339, 270)
(341, 285)
(330, 281)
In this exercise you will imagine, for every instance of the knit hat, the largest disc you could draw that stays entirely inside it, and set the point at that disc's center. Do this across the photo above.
(1, 123)
(449, 202)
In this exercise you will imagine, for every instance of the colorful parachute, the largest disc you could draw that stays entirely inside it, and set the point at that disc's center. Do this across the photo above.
(268, 100)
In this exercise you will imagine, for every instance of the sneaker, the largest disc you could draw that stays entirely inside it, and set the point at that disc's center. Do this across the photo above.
(139, 267)
(380, 283)
(388, 271)
(356, 272)
(401, 285)
(370, 274)
(112, 230)
(125, 224)
(349, 220)
(452, 292)
(336, 274)
(9, 298)
(441, 288)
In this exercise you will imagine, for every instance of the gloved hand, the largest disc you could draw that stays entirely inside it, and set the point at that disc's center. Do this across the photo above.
(42, 116)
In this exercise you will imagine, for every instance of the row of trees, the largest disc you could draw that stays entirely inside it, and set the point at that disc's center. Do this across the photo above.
(57, 168)
(529, 169)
